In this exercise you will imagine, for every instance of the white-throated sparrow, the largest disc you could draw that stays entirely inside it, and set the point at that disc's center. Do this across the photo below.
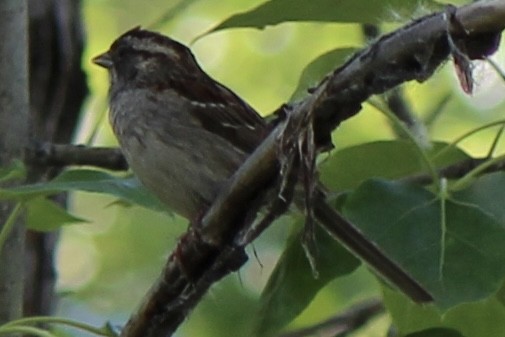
(182, 133)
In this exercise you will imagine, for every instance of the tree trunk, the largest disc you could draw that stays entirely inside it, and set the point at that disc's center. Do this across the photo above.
(14, 110)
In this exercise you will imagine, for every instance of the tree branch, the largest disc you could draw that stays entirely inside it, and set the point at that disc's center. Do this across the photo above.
(61, 155)
(455, 171)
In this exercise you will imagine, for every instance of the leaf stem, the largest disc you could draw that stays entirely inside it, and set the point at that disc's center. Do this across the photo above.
(466, 135)
(62, 321)
(443, 225)
(495, 141)
(9, 223)
(25, 330)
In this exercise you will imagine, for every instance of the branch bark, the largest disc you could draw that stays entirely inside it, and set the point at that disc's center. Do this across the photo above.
(14, 110)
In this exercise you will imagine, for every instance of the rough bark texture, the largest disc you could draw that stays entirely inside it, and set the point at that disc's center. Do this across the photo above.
(57, 90)
(13, 137)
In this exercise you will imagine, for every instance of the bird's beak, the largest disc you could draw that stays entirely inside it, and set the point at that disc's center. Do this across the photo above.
(103, 60)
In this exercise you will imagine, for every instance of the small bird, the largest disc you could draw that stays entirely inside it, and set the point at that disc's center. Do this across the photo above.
(182, 133)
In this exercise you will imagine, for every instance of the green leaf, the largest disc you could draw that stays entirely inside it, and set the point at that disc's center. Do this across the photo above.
(274, 12)
(454, 250)
(318, 68)
(15, 170)
(488, 193)
(347, 168)
(44, 215)
(477, 319)
(126, 189)
(292, 286)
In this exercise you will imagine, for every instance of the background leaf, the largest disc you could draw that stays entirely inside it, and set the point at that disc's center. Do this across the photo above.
(274, 12)
(318, 68)
(127, 189)
(347, 168)
(406, 222)
(15, 170)
(292, 286)
(44, 215)
(488, 193)
(476, 319)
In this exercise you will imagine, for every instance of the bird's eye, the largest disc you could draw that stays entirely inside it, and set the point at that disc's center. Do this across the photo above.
(121, 51)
